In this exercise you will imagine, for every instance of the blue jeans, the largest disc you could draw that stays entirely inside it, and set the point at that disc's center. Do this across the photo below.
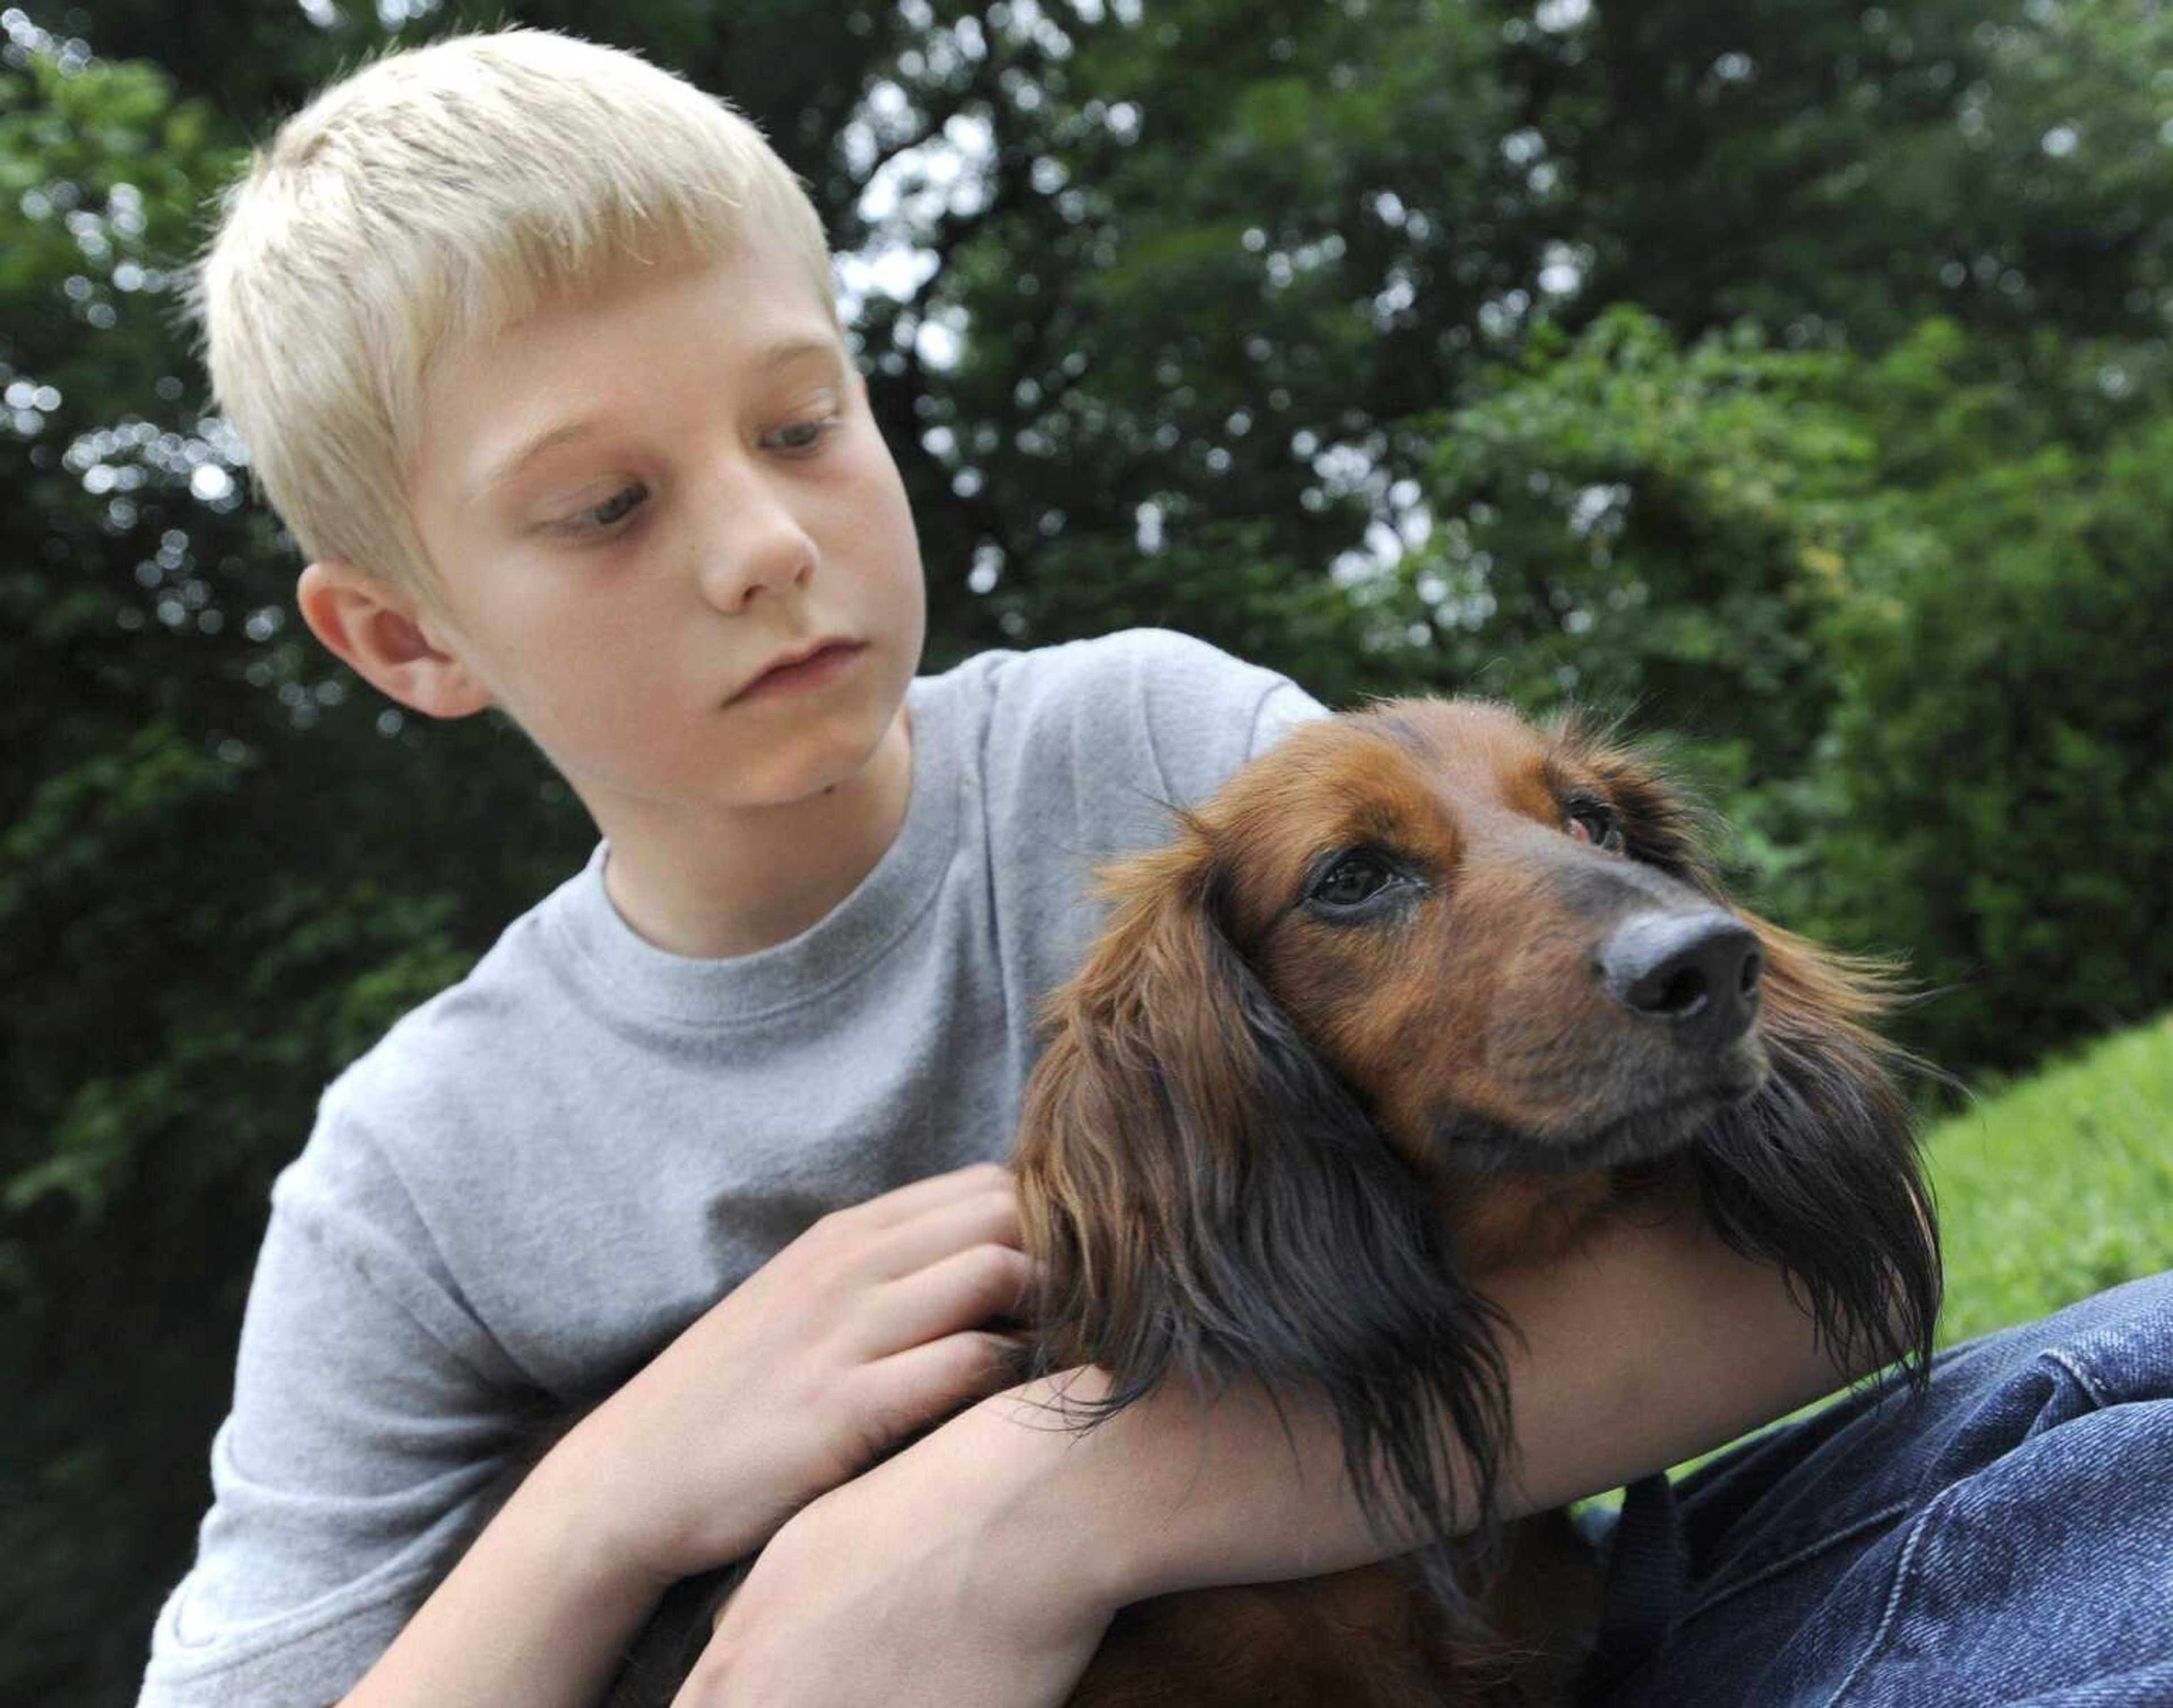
(2008, 1542)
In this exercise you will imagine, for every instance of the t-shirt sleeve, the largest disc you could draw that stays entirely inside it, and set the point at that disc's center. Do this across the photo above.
(1282, 709)
(1208, 712)
(1088, 746)
(371, 1411)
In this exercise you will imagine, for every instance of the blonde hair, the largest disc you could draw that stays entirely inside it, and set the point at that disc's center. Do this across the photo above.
(427, 197)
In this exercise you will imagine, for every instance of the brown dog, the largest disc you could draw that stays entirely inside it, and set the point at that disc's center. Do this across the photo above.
(1422, 993)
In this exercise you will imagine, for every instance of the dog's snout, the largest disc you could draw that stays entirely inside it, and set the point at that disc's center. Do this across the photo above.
(1697, 971)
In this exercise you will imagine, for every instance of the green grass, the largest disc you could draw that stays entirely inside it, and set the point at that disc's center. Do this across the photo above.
(2052, 1188)
(2058, 1186)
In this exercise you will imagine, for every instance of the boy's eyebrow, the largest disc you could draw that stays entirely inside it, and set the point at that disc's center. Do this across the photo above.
(766, 360)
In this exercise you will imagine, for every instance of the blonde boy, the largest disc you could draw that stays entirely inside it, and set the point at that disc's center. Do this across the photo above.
(536, 350)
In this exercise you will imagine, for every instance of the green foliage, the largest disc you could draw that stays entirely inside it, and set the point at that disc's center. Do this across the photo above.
(1201, 271)
(1627, 522)
(2005, 750)
(1857, 169)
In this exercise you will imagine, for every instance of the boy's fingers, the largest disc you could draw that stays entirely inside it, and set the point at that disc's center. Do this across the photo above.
(924, 1383)
(967, 1290)
(903, 1203)
(987, 1217)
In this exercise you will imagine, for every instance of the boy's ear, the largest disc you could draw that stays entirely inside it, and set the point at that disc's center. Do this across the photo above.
(389, 642)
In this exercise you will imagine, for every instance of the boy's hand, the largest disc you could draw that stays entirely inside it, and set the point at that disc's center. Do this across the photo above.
(864, 1329)
(963, 1573)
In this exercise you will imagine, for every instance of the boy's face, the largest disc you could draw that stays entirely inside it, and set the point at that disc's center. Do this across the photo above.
(732, 505)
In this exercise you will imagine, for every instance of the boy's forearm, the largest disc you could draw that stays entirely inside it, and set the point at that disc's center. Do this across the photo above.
(1652, 1345)
(539, 1611)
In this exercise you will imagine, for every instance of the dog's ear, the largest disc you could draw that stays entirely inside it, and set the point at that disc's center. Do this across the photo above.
(1818, 1172)
(1207, 1202)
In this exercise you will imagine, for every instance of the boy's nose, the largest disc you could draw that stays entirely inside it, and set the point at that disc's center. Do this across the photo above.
(755, 548)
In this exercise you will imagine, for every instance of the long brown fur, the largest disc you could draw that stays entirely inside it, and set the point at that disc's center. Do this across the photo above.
(1282, 1141)
(1244, 1154)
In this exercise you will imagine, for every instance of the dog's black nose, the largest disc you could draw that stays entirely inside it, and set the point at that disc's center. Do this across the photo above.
(1697, 971)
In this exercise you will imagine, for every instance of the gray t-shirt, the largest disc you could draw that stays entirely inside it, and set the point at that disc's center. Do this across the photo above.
(537, 1179)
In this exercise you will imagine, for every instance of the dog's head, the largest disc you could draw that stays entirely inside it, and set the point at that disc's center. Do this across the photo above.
(1414, 996)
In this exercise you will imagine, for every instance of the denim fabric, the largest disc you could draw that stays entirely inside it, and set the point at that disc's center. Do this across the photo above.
(2010, 1541)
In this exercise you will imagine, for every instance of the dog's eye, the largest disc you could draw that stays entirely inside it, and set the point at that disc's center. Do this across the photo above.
(1353, 879)
(1594, 821)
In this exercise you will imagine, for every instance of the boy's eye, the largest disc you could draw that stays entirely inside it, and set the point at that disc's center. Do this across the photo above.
(802, 435)
(612, 510)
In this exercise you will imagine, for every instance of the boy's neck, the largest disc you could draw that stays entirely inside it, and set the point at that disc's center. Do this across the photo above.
(706, 889)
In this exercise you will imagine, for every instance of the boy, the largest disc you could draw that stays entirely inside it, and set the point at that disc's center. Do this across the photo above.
(536, 349)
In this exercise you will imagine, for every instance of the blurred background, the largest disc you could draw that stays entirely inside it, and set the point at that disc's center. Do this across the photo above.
(1796, 375)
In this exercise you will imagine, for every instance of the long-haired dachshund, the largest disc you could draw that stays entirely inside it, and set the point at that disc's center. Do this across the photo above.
(1423, 992)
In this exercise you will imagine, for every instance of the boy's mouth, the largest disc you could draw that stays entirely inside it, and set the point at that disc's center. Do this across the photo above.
(805, 668)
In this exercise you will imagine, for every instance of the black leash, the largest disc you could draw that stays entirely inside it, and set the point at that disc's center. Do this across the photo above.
(1643, 1598)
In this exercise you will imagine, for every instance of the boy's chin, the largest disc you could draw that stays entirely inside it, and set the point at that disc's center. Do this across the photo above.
(872, 764)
